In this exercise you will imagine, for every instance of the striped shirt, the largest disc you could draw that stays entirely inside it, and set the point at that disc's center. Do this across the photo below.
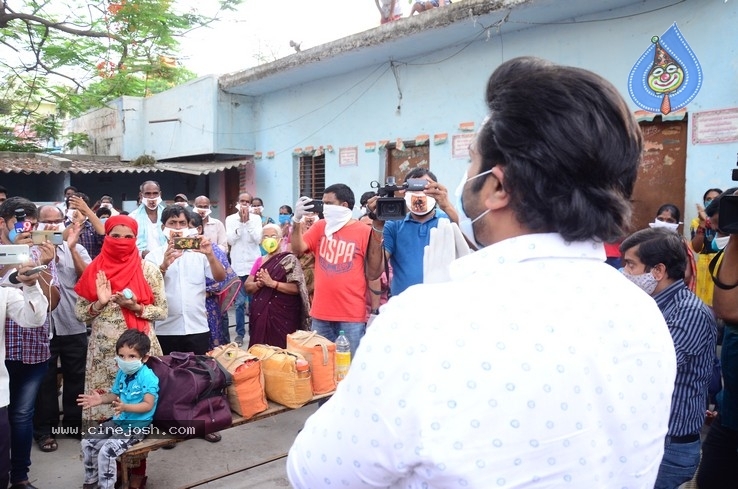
(693, 329)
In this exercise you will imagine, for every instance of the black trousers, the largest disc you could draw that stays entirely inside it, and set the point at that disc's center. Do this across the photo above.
(198, 343)
(71, 352)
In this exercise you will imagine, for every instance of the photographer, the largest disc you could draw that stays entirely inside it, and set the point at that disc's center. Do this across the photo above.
(719, 450)
(405, 239)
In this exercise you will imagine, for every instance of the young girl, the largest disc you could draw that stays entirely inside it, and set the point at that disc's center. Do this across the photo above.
(134, 395)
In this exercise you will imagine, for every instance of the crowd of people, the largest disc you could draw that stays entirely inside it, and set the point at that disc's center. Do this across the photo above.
(503, 349)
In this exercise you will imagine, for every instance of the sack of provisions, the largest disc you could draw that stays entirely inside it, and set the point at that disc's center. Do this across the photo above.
(320, 353)
(246, 394)
(281, 380)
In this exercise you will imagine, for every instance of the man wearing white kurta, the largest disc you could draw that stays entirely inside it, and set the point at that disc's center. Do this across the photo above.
(186, 327)
(537, 365)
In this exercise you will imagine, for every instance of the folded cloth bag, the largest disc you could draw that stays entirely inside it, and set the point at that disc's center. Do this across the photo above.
(281, 381)
(320, 353)
(246, 394)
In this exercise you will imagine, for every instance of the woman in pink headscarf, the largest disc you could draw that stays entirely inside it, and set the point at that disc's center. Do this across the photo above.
(117, 291)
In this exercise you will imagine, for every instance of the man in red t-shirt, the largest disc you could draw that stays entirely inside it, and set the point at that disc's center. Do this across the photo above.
(340, 244)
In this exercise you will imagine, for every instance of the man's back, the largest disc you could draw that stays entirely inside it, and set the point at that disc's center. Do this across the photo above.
(537, 366)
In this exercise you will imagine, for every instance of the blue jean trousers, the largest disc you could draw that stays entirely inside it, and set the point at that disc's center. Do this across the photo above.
(25, 380)
(678, 465)
(329, 329)
(242, 301)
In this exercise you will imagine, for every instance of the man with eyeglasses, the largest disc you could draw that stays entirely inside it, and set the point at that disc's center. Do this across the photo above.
(212, 228)
(68, 345)
(243, 231)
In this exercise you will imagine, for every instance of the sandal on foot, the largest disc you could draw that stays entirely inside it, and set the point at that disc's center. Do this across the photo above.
(47, 444)
(212, 437)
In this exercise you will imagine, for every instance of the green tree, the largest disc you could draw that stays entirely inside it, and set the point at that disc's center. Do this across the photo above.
(64, 57)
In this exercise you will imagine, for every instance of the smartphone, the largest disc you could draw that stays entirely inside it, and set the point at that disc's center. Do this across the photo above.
(317, 206)
(14, 254)
(40, 237)
(191, 243)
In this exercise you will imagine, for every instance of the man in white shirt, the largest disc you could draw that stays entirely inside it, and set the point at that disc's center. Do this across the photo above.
(26, 307)
(148, 217)
(212, 228)
(243, 231)
(186, 327)
(538, 365)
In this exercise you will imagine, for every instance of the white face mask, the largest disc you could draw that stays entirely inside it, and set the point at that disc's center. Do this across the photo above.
(107, 205)
(466, 224)
(671, 226)
(181, 204)
(152, 203)
(718, 242)
(256, 209)
(418, 203)
(42, 226)
(181, 233)
(204, 212)
(645, 281)
(336, 217)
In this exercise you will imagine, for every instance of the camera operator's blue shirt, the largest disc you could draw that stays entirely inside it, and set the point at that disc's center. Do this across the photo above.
(405, 241)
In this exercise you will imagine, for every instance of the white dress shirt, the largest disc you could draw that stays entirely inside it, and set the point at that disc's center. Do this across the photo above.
(244, 238)
(184, 284)
(538, 365)
(27, 307)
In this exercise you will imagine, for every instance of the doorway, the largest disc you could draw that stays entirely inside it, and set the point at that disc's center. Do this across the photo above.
(661, 174)
(401, 161)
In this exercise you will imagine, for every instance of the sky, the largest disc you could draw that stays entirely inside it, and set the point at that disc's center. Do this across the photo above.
(263, 29)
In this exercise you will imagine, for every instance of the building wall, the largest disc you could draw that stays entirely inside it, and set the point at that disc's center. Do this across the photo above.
(446, 87)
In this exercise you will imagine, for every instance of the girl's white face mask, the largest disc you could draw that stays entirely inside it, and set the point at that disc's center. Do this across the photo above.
(671, 226)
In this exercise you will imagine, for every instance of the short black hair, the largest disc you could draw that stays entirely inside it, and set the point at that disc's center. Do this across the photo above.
(366, 196)
(195, 220)
(658, 245)
(710, 190)
(71, 187)
(107, 197)
(141, 188)
(257, 198)
(287, 208)
(420, 172)
(7, 209)
(569, 147)
(83, 196)
(174, 211)
(103, 211)
(3, 190)
(133, 338)
(343, 193)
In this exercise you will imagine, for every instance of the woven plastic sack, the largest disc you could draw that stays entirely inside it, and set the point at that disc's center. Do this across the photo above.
(246, 394)
(281, 382)
(320, 353)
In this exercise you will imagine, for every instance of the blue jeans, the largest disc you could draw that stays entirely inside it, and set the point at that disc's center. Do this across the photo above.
(241, 303)
(25, 380)
(678, 465)
(329, 329)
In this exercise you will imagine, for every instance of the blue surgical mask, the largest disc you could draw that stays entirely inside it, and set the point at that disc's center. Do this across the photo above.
(466, 224)
(129, 367)
(707, 202)
(284, 219)
(12, 234)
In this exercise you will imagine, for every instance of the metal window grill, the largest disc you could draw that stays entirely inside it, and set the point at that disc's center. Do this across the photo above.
(312, 176)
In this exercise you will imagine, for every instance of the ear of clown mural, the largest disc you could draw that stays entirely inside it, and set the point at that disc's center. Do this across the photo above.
(668, 74)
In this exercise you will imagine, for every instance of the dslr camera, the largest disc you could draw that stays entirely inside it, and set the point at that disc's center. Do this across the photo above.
(390, 207)
(728, 210)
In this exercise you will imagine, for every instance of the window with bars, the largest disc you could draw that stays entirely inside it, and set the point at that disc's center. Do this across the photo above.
(312, 176)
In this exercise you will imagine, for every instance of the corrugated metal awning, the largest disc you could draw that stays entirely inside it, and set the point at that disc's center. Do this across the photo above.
(37, 163)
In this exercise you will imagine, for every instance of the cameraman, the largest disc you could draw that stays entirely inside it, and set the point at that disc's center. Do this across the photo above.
(719, 455)
(405, 240)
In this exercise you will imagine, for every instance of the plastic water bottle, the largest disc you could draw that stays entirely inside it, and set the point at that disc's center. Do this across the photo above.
(343, 356)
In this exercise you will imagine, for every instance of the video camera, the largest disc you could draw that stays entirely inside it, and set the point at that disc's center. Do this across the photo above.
(728, 210)
(390, 207)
